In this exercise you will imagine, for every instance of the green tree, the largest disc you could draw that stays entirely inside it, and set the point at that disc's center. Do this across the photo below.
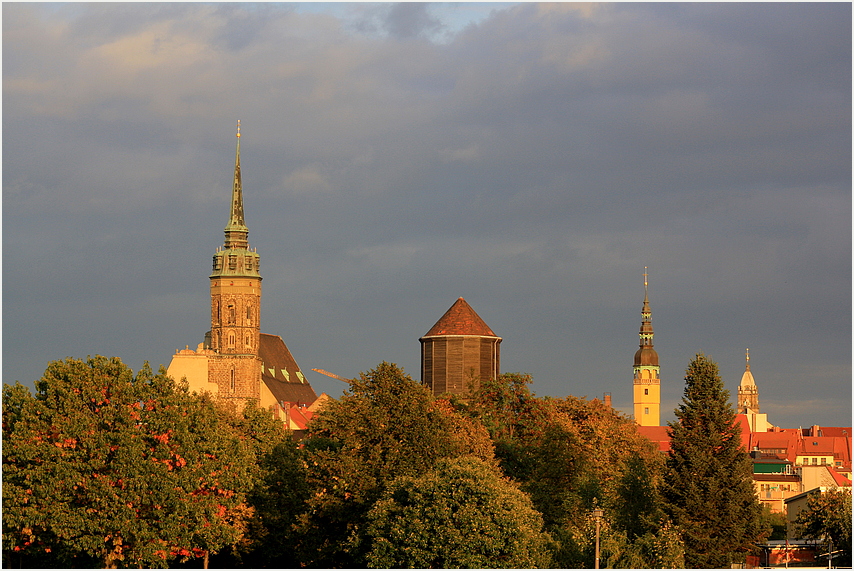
(463, 514)
(104, 468)
(708, 486)
(827, 518)
(384, 427)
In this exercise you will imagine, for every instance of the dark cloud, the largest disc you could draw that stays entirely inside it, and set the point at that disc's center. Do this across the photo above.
(531, 158)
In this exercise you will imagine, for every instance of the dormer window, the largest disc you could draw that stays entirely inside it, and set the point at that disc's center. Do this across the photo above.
(232, 262)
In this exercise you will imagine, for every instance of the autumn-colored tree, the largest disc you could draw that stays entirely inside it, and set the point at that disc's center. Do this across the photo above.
(462, 514)
(104, 468)
(384, 427)
(708, 483)
(827, 518)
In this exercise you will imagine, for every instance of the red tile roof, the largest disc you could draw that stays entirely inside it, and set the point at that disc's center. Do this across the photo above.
(658, 435)
(460, 319)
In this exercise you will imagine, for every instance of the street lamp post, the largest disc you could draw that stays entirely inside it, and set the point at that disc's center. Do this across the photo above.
(597, 515)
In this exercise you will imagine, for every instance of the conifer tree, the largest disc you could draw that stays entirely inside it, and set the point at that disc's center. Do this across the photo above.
(708, 484)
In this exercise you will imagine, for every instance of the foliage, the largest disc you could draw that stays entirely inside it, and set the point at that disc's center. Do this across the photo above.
(384, 427)
(775, 521)
(104, 468)
(827, 518)
(278, 500)
(708, 484)
(463, 514)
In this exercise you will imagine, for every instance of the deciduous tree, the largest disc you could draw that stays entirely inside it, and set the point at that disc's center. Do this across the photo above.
(105, 468)
(463, 514)
(384, 427)
(827, 518)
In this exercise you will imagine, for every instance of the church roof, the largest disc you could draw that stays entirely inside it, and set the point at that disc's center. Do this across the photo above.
(281, 373)
(460, 319)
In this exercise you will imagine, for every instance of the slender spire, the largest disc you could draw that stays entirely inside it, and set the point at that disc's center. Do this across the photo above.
(646, 334)
(747, 353)
(236, 232)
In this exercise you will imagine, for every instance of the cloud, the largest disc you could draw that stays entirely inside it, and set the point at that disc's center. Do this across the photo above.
(532, 158)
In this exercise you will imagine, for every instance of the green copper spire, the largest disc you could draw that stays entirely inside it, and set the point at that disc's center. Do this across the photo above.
(236, 232)
(235, 258)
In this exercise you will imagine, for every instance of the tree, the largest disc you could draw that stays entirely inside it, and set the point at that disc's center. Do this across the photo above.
(102, 468)
(827, 518)
(708, 486)
(384, 427)
(463, 514)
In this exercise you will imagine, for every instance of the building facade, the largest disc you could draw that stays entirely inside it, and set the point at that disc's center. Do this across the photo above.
(459, 351)
(236, 361)
(647, 383)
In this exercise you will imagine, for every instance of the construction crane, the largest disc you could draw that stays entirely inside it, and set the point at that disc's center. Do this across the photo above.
(333, 375)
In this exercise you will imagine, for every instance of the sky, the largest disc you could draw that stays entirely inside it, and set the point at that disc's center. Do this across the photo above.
(533, 159)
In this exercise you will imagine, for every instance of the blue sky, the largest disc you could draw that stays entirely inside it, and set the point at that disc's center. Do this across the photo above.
(532, 158)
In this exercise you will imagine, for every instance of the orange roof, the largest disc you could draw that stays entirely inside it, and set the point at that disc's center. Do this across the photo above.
(460, 319)
(658, 435)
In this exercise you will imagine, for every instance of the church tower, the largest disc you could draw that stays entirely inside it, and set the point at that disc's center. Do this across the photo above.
(647, 385)
(235, 282)
(748, 394)
(236, 361)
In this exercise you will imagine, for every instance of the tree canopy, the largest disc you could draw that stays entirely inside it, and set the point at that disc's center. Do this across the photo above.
(104, 468)
(708, 483)
(827, 518)
(462, 514)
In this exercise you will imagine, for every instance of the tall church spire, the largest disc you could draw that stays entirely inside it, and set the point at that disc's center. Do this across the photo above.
(236, 232)
(647, 387)
(235, 282)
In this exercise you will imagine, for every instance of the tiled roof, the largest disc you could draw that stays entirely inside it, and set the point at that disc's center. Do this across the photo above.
(281, 373)
(460, 319)
(658, 435)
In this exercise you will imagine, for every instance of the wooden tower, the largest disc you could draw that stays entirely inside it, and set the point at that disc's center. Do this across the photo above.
(459, 351)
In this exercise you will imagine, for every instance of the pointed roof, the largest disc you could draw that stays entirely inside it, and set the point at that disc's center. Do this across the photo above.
(460, 319)
(646, 355)
(281, 373)
(747, 377)
(236, 221)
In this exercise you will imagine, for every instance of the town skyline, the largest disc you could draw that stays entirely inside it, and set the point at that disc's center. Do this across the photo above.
(530, 159)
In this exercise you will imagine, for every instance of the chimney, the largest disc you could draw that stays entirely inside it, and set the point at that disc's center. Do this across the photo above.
(608, 400)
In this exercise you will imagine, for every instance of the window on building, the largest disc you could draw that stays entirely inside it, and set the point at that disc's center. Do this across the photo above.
(231, 340)
(646, 391)
(233, 383)
(646, 410)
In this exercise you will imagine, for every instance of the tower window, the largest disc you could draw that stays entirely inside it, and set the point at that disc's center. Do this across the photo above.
(646, 391)
(646, 410)
(232, 381)
(232, 262)
(231, 340)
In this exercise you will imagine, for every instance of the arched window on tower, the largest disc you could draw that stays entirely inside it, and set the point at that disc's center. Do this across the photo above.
(249, 314)
(231, 340)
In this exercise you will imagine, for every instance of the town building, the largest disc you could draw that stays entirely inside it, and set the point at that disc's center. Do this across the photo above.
(647, 384)
(459, 352)
(236, 361)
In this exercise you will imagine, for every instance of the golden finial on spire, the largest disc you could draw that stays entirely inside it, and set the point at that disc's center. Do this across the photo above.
(238, 128)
